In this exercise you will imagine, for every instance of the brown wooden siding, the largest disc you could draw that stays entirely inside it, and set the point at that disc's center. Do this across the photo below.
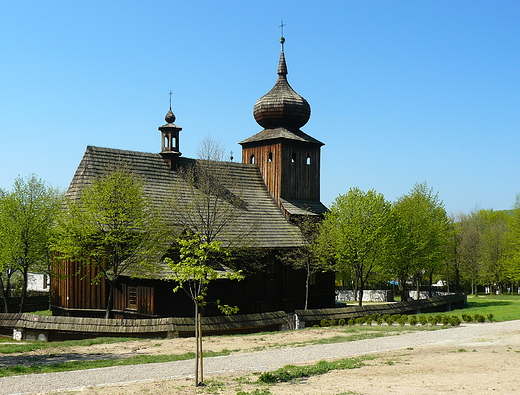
(74, 286)
(283, 176)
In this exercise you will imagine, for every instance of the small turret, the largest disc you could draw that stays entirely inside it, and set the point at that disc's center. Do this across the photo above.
(170, 139)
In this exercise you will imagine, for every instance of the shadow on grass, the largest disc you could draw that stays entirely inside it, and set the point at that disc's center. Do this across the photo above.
(490, 303)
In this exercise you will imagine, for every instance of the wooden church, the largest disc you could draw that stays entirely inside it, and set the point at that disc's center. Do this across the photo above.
(277, 182)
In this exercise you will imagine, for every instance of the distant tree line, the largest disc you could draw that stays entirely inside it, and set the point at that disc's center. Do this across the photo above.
(412, 243)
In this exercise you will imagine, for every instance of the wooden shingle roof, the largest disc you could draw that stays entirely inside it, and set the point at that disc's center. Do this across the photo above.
(281, 133)
(259, 217)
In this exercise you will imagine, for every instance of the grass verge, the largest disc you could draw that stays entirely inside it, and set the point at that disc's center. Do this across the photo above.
(292, 372)
(83, 365)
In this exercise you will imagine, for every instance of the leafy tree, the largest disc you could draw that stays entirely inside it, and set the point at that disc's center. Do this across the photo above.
(112, 227)
(199, 262)
(469, 248)
(353, 234)
(494, 247)
(26, 217)
(209, 211)
(513, 245)
(421, 232)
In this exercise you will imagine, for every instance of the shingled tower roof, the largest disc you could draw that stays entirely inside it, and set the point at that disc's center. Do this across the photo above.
(282, 106)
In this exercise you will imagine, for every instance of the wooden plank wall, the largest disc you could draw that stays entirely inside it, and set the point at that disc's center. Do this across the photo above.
(74, 286)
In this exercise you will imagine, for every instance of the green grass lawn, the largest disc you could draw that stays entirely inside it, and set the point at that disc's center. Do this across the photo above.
(503, 307)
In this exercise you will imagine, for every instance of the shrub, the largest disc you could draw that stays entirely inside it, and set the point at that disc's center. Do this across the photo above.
(438, 317)
(379, 320)
(341, 322)
(324, 322)
(467, 318)
(412, 320)
(454, 320)
(369, 319)
(445, 320)
(423, 320)
(490, 317)
(432, 319)
(360, 320)
(402, 320)
(351, 321)
(390, 320)
(333, 322)
(479, 318)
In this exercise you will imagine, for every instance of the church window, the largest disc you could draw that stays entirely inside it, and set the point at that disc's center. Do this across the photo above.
(132, 298)
(293, 159)
(252, 159)
(166, 142)
(270, 159)
(308, 162)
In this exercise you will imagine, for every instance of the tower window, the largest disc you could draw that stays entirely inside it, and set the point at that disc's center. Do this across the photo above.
(270, 159)
(308, 162)
(252, 159)
(166, 143)
(293, 159)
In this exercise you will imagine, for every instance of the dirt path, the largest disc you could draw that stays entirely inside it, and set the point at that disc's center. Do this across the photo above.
(472, 359)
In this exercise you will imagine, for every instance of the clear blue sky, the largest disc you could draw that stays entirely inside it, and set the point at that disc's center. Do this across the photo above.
(401, 91)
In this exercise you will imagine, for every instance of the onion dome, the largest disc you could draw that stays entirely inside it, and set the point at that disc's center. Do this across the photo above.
(170, 117)
(282, 106)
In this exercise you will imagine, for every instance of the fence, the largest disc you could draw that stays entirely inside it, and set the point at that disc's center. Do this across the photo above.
(32, 303)
(34, 327)
(439, 303)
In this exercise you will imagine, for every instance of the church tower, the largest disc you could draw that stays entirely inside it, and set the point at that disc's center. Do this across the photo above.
(289, 159)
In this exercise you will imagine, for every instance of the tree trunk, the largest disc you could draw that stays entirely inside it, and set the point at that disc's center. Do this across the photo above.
(5, 293)
(431, 281)
(307, 290)
(197, 344)
(110, 300)
(24, 288)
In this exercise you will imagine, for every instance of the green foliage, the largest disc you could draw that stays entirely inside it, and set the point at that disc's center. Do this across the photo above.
(352, 236)
(257, 391)
(291, 372)
(454, 320)
(324, 322)
(421, 232)
(423, 320)
(113, 227)
(27, 214)
(413, 320)
(402, 320)
(479, 318)
(199, 263)
(390, 319)
(341, 322)
(360, 320)
(467, 317)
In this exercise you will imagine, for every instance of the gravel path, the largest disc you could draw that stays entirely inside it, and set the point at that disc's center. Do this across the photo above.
(255, 361)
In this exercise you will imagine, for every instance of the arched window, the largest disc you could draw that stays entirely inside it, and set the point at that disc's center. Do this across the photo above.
(308, 161)
(252, 159)
(270, 159)
(166, 143)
